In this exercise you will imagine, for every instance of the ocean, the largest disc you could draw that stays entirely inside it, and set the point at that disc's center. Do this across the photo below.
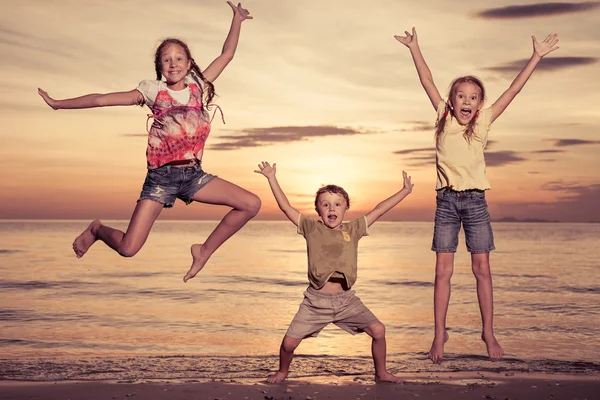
(108, 317)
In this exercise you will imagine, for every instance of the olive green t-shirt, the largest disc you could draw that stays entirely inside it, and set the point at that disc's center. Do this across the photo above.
(331, 251)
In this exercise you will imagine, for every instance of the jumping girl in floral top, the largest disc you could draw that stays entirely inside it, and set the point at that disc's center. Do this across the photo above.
(180, 127)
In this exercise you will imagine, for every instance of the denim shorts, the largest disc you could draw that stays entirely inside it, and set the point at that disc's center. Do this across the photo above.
(468, 208)
(167, 183)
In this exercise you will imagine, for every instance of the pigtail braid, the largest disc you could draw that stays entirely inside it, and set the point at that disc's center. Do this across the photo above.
(441, 123)
(197, 76)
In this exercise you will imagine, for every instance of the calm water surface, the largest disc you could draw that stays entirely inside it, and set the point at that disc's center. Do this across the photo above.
(60, 314)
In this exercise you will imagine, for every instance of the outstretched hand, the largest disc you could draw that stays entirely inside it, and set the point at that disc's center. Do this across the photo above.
(265, 169)
(239, 12)
(408, 40)
(407, 183)
(545, 47)
(49, 100)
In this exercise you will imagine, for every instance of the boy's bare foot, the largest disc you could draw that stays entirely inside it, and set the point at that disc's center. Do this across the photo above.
(436, 353)
(387, 377)
(493, 347)
(87, 238)
(198, 261)
(277, 377)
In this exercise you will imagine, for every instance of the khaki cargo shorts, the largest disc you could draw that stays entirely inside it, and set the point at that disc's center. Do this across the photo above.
(318, 310)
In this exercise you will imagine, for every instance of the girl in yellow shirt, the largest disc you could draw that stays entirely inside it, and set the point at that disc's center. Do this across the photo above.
(461, 135)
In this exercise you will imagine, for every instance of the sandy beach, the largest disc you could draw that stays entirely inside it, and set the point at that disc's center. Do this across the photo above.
(460, 385)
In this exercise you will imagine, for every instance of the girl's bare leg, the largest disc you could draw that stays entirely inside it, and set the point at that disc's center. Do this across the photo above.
(286, 354)
(127, 243)
(485, 295)
(379, 349)
(444, 267)
(245, 206)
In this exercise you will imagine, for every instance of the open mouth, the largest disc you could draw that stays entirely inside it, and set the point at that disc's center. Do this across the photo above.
(332, 217)
(465, 112)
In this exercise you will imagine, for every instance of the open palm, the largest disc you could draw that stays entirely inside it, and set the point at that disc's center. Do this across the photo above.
(266, 169)
(546, 46)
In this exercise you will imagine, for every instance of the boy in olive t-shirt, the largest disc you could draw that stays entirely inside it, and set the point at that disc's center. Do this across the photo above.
(332, 255)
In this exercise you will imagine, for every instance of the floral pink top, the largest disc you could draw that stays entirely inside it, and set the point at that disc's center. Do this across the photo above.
(180, 128)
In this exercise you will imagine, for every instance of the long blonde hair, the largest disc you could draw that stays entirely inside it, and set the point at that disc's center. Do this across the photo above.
(469, 129)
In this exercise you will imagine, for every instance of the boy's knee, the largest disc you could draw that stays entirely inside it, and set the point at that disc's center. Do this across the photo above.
(290, 344)
(376, 330)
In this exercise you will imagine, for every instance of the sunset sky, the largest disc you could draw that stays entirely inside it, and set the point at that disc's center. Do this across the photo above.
(322, 88)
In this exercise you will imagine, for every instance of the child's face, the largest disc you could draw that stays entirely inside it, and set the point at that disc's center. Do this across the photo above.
(174, 63)
(332, 208)
(466, 101)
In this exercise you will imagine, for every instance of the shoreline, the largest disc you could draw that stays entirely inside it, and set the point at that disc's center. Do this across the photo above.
(422, 385)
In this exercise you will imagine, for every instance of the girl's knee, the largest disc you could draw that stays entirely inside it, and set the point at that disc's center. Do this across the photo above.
(128, 250)
(444, 271)
(481, 270)
(254, 204)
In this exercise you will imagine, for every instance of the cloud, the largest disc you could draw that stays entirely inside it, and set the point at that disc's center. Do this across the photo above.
(548, 151)
(501, 158)
(574, 202)
(429, 150)
(573, 142)
(570, 189)
(546, 64)
(419, 126)
(283, 134)
(422, 156)
(537, 10)
(578, 202)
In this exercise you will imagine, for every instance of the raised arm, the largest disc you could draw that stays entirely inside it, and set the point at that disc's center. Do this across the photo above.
(215, 68)
(269, 172)
(390, 202)
(133, 97)
(539, 51)
(423, 70)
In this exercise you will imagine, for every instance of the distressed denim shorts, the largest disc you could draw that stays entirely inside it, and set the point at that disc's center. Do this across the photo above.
(468, 208)
(318, 310)
(167, 183)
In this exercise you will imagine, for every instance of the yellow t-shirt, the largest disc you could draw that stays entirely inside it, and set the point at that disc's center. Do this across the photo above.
(460, 164)
(331, 250)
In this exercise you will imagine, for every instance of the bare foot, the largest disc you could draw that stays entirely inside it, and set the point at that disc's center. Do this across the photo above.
(436, 353)
(387, 377)
(198, 261)
(493, 347)
(87, 238)
(277, 377)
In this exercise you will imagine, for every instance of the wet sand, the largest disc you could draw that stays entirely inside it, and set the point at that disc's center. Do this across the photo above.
(460, 385)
